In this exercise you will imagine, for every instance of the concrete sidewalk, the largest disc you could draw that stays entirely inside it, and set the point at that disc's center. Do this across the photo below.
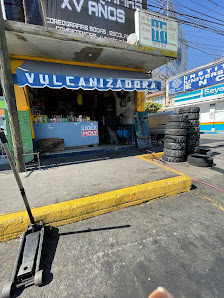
(68, 192)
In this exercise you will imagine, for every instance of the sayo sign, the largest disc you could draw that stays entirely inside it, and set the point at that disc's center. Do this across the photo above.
(112, 19)
(89, 131)
(203, 77)
(156, 31)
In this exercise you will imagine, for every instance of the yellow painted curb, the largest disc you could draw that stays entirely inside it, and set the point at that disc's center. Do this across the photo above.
(13, 225)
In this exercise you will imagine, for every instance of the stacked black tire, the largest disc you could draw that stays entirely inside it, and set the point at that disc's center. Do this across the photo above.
(193, 129)
(175, 138)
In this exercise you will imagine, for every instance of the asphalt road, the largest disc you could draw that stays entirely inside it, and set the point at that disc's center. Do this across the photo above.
(175, 242)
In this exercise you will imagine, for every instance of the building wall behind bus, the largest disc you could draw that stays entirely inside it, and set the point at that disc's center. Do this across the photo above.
(212, 116)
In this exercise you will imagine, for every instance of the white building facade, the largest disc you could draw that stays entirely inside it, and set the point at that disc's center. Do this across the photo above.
(204, 87)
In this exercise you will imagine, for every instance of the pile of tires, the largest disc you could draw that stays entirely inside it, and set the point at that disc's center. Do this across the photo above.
(175, 138)
(193, 129)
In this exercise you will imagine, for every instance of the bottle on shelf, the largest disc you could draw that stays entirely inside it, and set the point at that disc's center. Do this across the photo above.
(45, 118)
(34, 117)
(39, 118)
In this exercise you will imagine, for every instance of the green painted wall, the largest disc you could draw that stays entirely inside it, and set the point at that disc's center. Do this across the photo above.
(24, 121)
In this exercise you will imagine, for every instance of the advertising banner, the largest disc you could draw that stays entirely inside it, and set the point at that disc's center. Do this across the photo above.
(204, 77)
(89, 130)
(203, 95)
(157, 31)
(112, 19)
(57, 81)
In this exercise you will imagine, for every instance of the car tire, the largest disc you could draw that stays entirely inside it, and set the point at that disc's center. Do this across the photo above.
(194, 123)
(193, 130)
(200, 160)
(193, 143)
(160, 141)
(177, 118)
(175, 139)
(174, 146)
(191, 150)
(173, 159)
(193, 137)
(207, 152)
(191, 109)
(192, 116)
(176, 132)
(174, 153)
(176, 125)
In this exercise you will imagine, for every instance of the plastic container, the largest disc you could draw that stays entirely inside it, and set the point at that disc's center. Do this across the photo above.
(39, 119)
(34, 118)
(45, 118)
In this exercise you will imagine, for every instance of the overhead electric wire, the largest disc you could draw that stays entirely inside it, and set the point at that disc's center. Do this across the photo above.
(191, 9)
(215, 3)
(199, 22)
(206, 7)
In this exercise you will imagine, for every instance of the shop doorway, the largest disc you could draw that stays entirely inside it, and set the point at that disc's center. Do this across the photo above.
(65, 105)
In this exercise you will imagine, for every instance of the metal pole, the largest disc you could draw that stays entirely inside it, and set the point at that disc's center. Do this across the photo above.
(44, 13)
(25, 13)
(16, 174)
(9, 93)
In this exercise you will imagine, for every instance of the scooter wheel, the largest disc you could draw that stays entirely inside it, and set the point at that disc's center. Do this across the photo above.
(7, 290)
(38, 278)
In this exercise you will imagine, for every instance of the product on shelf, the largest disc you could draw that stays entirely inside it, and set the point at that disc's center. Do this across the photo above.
(45, 118)
(39, 118)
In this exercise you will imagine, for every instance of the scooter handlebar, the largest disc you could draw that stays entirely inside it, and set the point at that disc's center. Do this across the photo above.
(3, 137)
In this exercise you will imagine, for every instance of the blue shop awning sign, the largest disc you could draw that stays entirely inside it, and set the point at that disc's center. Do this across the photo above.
(39, 74)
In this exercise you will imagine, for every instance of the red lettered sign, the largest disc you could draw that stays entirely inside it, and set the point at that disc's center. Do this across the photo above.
(89, 133)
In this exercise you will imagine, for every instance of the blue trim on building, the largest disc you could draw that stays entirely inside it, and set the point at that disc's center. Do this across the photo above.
(212, 132)
(188, 94)
(188, 98)
(211, 125)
